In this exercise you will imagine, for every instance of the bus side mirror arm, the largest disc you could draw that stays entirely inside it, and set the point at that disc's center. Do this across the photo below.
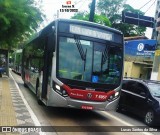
(54, 54)
(53, 28)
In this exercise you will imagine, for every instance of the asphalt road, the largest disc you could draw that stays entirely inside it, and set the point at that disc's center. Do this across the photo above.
(59, 117)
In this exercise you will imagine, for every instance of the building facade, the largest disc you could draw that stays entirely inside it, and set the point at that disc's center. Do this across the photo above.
(156, 35)
(139, 55)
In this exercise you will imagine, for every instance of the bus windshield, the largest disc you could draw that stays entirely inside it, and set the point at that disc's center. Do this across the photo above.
(89, 61)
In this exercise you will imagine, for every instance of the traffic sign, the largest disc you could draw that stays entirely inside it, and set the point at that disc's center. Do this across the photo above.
(137, 19)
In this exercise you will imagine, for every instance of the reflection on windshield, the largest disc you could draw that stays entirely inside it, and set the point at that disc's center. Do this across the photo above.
(155, 89)
(102, 65)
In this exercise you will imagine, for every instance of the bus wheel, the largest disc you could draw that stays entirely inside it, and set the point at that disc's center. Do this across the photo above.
(118, 109)
(25, 85)
(38, 96)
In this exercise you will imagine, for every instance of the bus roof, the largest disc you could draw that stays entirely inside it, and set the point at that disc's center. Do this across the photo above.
(48, 28)
(89, 23)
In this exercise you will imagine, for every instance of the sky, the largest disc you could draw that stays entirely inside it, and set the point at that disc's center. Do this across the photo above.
(147, 6)
(50, 8)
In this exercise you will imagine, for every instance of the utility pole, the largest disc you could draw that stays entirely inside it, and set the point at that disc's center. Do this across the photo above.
(155, 75)
(92, 10)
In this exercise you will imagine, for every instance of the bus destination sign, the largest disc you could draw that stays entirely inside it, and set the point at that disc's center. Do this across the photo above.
(87, 31)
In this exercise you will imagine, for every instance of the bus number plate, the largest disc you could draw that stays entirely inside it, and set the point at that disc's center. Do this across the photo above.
(87, 107)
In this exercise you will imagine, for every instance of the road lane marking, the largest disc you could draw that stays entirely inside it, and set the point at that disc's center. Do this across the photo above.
(33, 116)
(37, 123)
(124, 122)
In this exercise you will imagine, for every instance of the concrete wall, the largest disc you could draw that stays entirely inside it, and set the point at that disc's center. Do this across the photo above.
(127, 69)
(134, 70)
(158, 78)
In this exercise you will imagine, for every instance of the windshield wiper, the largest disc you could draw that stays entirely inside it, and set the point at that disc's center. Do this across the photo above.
(80, 49)
(105, 56)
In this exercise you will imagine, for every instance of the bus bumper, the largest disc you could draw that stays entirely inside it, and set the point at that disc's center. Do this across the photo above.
(96, 105)
(56, 99)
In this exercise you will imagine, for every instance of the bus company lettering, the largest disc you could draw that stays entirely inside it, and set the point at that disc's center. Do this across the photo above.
(101, 96)
(76, 94)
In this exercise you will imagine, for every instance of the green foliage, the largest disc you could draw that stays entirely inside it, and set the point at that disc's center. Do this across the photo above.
(18, 19)
(113, 10)
(110, 8)
(81, 16)
(101, 19)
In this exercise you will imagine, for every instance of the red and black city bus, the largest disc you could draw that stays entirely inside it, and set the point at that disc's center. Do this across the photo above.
(73, 63)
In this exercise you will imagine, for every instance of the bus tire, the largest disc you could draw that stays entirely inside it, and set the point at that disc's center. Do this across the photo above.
(25, 85)
(38, 94)
(38, 97)
(119, 108)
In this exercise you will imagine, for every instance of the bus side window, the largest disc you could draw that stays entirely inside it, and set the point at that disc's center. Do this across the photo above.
(27, 63)
(51, 42)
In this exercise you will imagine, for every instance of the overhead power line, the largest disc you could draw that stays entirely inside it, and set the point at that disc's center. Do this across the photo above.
(145, 4)
(151, 6)
(76, 2)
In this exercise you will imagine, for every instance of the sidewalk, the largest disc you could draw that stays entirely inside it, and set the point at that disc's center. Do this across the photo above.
(13, 111)
(7, 112)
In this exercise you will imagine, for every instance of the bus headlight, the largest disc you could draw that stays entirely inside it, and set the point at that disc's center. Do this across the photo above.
(57, 87)
(59, 90)
(114, 96)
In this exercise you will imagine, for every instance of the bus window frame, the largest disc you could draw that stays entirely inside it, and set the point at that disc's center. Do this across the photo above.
(84, 83)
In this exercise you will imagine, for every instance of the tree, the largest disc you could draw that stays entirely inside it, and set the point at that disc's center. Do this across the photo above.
(110, 8)
(101, 19)
(81, 16)
(18, 19)
(113, 10)
(130, 29)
